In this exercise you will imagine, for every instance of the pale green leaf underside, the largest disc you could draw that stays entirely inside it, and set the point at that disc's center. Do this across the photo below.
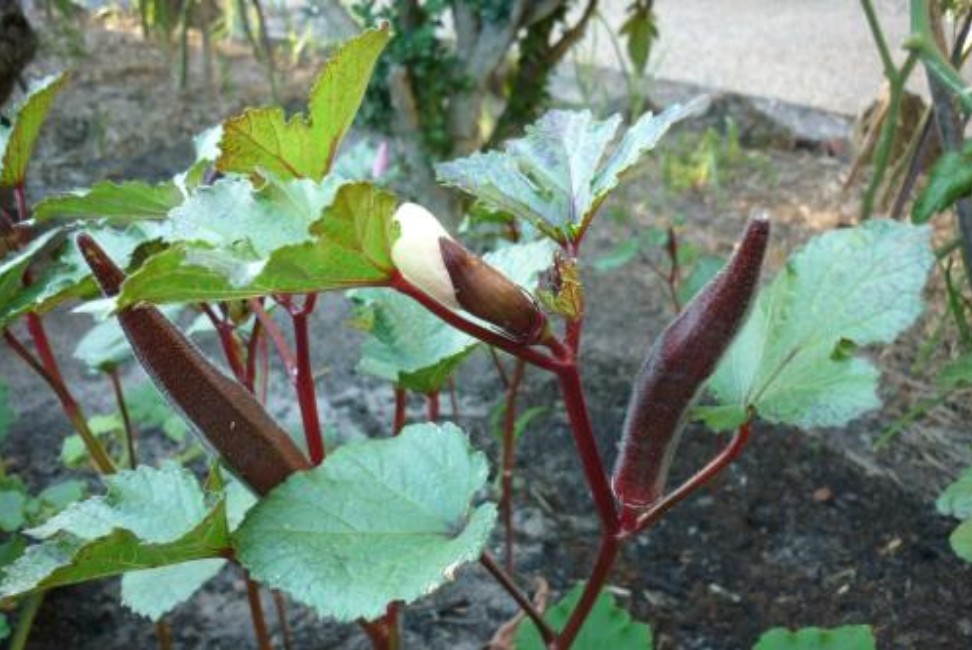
(12, 268)
(348, 245)
(846, 288)
(847, 637)
(557, 175)
(381, 520)
(956, 499)
(264, 140)
(607, 626)
(153, 593)
(115, 202)
(19, 139)
(961, 540)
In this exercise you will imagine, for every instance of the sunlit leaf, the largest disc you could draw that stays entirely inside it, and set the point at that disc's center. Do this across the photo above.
(115, 202)
(847, 637)
(559, 173)
(18, 140)
(792, 360)
(265, 140)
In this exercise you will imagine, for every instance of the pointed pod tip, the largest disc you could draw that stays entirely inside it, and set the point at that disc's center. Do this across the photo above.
(105, 271)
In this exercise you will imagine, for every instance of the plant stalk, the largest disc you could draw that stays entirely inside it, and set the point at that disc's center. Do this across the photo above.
(432, 406)
(256, 615)
(505, 581)
(130, 433)
(304, 382)
(606, 555)
(509, 461)
(25, 621)
(401, 402)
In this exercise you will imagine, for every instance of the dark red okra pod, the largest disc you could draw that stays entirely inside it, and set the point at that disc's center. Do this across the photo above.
(679, 363)
(254, 447)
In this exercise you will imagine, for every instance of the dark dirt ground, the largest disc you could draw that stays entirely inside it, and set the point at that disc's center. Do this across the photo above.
(806, 529)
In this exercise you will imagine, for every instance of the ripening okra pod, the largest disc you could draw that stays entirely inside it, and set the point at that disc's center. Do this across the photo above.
(253, 446)
(434, 262)
(679, 363)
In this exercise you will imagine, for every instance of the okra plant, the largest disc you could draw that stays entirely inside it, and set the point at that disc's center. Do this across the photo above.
(265, 221)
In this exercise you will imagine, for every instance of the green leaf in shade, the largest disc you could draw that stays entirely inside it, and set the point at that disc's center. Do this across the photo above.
(380, 521)
(148, 518)
(642, 30)
(12, 268)
(846, 637)
(559, 173)
(18, 139)
(845, 288)
(7, 415)
(961, 540)
(4, 627)
(956, 374)
(702, 270)
(153, 593)
(607, 626)
(68, 276)
(349, 246)
(264, 140)
(950, 179)
(956, 499)
(623, 253)
(414, 348)
(119, 203)
(13, 502)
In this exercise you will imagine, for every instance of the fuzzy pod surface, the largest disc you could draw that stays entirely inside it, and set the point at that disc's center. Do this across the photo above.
(486, 293)
(253, 445)
(676, 368)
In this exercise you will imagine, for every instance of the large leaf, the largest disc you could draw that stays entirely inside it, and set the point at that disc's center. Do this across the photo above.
(18, 140)
(417, 350)
(380, 521)
(793, 359)
(116, 202)
(153, 593)
(148, 518)
(68, 276)
(956, 499)
(264, 140)
(554, 176)
(12, 268)
(847, 637)
(350, 246)
(607, 626)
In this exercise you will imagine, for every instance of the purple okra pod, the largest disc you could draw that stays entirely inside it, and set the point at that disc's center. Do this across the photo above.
(234, 423)
(677, 367)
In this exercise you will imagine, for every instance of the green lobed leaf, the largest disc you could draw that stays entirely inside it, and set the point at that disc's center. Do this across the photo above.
(846, 288)
(68, 276)
(380, 521)
(264, 140)
(12, 269)
(554, 177)
(846, 637)
(18, 140)
(961, 540)
(956, 499)
(949, 180)
(119, 203)
(607, 626)
(350, 246)
(148, 518)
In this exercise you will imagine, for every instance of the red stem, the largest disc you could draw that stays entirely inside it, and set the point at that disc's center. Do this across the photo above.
(69, 405)
(432, 406)
(21, 196)
(304, 382)
(252, 346)
(281, 606)
(710, 471)
(583, 432)
(505, 581)
(279, 342)
(528, 354)
(264, 349)
(227, 339)
(606, 555)
(256, 614)
(35, 327)
(509, 459)
(401, 400)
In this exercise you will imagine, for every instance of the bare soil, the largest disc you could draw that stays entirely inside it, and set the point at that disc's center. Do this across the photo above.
(810, 528)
